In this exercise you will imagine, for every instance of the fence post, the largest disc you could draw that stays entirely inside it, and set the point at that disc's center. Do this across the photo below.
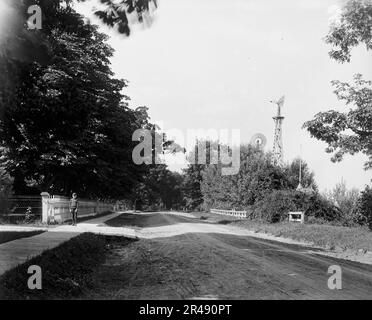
(45, 206)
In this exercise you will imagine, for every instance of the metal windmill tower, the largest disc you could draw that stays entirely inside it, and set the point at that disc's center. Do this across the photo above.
(278, 138)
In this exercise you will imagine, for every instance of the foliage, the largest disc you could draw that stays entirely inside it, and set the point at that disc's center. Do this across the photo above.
(6, 190)
(116, 13)
(351, 29)
(191, 190)
(321, 209)
(275, 206)
(347, 201)
(66, 126)
(292, 171)
(257, 177)
(158, 189)
(365, 206)
(351, 131)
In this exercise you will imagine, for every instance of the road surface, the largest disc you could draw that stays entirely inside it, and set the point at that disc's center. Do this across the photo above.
(206, 262)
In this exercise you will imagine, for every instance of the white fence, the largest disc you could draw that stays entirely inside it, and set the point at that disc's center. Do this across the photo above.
(56, 209)
(233, 213)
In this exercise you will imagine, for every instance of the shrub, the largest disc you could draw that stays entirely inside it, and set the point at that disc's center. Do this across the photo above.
(365, 206)
(6, 191)
(320, 208)
(347, 201)
(275, 206)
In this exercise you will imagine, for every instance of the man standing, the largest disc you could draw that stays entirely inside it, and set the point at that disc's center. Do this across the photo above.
(74, 205)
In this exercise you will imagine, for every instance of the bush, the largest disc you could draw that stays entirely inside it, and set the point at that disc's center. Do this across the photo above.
(320, 208)
(275, 206)
(365, 207)
(347, 201)
(6, 191)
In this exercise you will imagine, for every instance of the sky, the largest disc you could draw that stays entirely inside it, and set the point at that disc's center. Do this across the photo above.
(217, 64)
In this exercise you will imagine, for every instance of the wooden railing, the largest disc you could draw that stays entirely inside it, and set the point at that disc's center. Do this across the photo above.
(233, 213)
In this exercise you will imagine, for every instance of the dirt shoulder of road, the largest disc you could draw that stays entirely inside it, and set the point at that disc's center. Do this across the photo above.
(353, 244)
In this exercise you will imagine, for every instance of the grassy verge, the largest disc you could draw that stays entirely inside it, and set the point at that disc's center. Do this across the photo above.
(6, 236)
(331, 237)
(67, 271)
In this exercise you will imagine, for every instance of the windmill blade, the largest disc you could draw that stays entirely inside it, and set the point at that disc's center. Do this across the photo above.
(259, 141)
(281, 101)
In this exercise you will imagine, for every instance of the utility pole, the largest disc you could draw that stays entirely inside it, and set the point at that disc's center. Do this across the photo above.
(300, 187)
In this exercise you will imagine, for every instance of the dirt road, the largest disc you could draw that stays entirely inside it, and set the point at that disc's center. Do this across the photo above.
(200, 263)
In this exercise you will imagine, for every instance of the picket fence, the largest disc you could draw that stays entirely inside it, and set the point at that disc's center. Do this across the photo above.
(233, 213)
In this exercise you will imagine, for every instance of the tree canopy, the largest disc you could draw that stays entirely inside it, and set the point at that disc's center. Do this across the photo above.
(350, 131)
(352, 28)
(65, 122)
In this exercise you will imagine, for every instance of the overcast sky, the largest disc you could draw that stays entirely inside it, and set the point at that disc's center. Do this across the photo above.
(217, 64)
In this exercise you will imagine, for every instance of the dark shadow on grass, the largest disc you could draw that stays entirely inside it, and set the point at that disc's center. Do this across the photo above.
(7, 236)
(68, 270)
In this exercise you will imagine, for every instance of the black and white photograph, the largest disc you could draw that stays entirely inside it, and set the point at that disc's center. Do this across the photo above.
(185, 156)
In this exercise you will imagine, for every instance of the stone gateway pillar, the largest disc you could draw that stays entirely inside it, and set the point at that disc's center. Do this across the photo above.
(45, 206)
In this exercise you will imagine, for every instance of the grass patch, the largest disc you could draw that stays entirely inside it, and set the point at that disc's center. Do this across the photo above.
(67, 270)
(6, 236)
(322, 235)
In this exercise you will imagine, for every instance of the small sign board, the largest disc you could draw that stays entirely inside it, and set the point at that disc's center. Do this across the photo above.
(296, 216)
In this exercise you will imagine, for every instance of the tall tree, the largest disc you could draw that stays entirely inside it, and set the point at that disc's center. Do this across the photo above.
(116, 13)
(292, 172)
(158, 189)
(193, 175)
(350, 131)
(66, 125)
(350, 29)
(346, 200)
(365, 206)
(191, 186)
(256, 178)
